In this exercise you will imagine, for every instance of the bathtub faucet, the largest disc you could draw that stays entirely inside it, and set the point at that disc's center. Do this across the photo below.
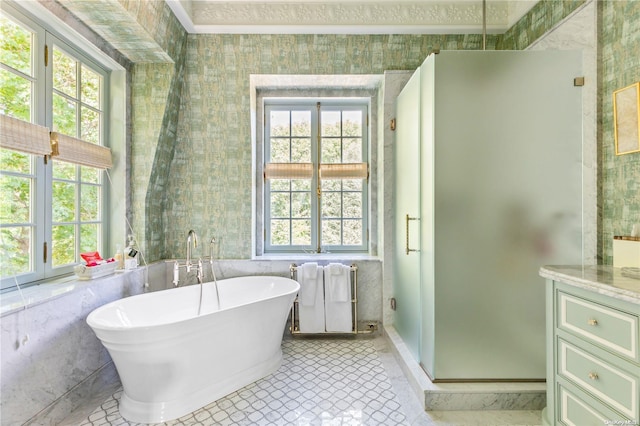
(191, 236)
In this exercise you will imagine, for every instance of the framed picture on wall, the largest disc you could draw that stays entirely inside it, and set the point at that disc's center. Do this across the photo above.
(626, 119)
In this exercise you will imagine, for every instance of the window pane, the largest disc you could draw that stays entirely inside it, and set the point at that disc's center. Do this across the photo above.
(90, 87)
(90, 125)
(15, 46)
(301, 151)
(89, 203)
(64, 116)
(331, 204)
(301, 232)
(352, 150)
(15, 250)
(351, 123)
(331, 150)
(64, 74)
(352, 232)
(352, 204)
(63, 245)
(280, 184)
(301, 185)
(13, 161)
(64, 197)
(280, 203)
(89, 174)
(330, 123)
(301, 205)
(280, 152)
(352, 184)
(301, 123)
(15, 193)
(330, 232)
(15, 96)
(280, 232)
(89, 237)
(63, 170)
(279, 123)
(330, 185)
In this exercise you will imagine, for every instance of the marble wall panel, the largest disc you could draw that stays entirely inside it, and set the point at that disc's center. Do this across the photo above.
(48, 349)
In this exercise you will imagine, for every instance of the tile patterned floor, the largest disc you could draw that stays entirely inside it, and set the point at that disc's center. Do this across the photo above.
(321, 382)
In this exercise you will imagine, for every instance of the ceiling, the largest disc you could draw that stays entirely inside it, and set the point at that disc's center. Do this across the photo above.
(348, 16)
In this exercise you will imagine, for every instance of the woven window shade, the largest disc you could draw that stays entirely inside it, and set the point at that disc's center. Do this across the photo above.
(77, 151)
(344, 171)
(23, 136)
(288, 171)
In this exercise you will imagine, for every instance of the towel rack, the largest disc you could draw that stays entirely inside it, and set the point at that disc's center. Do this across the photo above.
(295, 325)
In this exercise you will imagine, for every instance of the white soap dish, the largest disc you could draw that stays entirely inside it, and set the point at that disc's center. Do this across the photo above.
(85, 272)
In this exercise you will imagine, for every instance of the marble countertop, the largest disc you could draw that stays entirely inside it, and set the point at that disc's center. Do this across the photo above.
(602, 279)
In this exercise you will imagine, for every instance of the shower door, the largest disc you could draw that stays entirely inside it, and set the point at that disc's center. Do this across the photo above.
(501, 195)
(407, 206)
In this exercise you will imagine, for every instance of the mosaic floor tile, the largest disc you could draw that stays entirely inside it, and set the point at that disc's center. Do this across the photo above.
(321, 382)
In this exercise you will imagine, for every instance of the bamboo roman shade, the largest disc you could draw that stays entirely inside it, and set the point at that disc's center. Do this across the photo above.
(19, 135)
(288, 171)
(77, 151)
(344, 171)
(23, 136)
(305, 171)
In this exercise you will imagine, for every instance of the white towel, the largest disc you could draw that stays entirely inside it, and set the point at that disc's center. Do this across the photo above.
(308, 279)
(311, 316)
(337, 303)
(337, 280)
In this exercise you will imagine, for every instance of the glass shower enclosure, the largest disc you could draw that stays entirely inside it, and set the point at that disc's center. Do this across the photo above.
(488, 189)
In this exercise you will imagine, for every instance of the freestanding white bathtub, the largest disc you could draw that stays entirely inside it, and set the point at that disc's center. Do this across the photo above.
(172, 361)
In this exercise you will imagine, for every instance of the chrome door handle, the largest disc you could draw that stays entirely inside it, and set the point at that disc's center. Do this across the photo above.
(407, 219)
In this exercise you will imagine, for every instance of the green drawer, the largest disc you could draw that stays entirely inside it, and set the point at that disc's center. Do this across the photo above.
(612, 385)
(605, 326)
(576, 408)
(573, 411)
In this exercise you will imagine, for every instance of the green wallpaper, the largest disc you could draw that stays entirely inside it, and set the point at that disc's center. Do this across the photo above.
(156, 93)
(190, 138)
(209, 187)
(540, 19)
(619, 66)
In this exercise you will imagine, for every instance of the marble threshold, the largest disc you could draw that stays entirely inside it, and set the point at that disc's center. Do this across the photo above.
(464, 396)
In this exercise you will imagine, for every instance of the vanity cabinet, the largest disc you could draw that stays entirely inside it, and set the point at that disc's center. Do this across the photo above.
(593, 358)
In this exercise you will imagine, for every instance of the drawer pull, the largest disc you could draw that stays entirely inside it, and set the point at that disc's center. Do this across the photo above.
(593, 322)
(593, 376)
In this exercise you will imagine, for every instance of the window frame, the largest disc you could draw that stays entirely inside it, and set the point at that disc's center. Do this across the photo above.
(338, 103)
(47, 34)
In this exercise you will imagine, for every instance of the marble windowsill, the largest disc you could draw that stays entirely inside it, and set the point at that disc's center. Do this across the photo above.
(313, 257)
(28, 296)
(602, 279)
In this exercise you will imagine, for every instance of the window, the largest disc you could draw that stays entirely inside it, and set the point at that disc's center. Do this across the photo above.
(51, 211)
(316, 175)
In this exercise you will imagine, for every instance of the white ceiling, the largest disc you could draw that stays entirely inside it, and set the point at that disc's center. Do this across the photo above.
(347, 16)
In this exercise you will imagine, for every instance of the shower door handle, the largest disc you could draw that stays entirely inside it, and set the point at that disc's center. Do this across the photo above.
(407, 219)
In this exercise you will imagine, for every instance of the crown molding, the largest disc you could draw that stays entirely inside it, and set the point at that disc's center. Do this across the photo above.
(346, 16)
